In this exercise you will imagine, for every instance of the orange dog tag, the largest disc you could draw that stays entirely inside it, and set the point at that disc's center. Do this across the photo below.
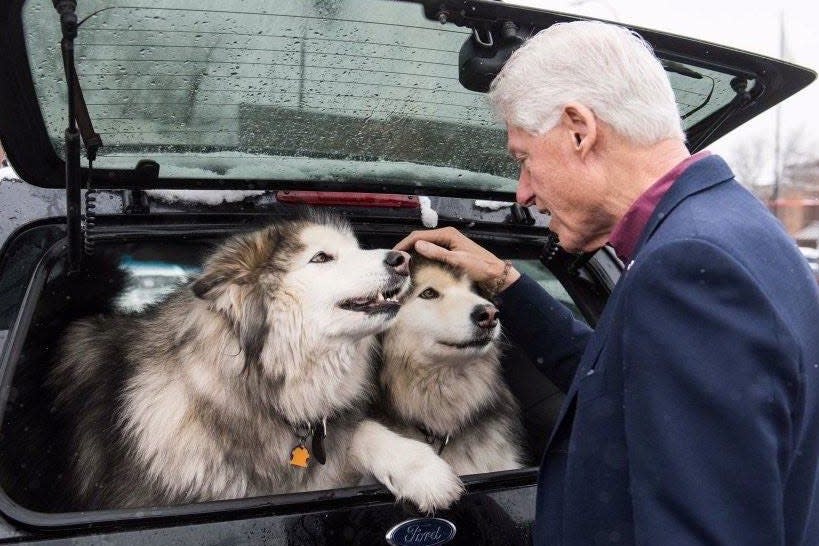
(299, 456)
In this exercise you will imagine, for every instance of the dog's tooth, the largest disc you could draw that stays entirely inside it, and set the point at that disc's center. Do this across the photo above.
(380, 297)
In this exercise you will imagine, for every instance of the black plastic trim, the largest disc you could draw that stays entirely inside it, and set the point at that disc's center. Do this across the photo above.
(51, 220)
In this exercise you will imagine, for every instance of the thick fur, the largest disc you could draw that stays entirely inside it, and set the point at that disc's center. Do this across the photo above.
(199, 398)
(431, 389)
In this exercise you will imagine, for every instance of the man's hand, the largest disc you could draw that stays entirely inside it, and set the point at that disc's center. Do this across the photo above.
(450, 246)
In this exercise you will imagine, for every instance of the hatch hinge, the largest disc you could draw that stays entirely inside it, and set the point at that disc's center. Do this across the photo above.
(79, 131)
(135, 202)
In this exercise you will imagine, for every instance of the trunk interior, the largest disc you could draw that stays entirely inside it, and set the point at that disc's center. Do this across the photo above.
(131, 268)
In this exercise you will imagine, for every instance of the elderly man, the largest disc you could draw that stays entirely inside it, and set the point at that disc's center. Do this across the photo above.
(692, 411)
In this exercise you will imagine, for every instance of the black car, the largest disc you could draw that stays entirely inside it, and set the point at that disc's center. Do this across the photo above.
(373, 109)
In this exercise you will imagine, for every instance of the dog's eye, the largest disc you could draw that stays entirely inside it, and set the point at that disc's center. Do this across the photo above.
(429, 294)
(320, 258)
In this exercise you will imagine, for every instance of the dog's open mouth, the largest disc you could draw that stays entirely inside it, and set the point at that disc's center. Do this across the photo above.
(480, 341)
(384, 302)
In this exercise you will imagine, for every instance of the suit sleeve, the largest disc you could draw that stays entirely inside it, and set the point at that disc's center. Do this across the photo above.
(544, 328)
(710, 377)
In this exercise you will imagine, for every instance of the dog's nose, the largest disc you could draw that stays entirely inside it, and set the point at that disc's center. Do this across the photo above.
(398, 261)
(485, 316)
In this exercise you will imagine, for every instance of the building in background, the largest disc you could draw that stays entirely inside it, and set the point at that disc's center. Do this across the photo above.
(798, 203)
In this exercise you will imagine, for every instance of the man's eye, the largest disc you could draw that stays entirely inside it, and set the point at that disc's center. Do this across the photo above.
(320, 258)
(429, 294)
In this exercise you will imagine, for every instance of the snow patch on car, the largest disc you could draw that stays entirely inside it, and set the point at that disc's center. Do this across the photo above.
(207, 197)
(8, 173)
(240, 165)
(429, 217)
(492, 205)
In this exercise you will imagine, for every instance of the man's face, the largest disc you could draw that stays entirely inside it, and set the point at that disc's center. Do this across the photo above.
(555, 179)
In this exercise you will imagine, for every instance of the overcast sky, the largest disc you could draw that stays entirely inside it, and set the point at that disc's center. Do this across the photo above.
(751, 25)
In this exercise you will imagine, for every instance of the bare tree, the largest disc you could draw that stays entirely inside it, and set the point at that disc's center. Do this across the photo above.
(750, 159)
(800, 162)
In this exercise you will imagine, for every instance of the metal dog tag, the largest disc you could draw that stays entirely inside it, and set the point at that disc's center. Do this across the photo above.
(299, 456)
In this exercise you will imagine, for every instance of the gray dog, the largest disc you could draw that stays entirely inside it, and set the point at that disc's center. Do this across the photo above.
(252, 380)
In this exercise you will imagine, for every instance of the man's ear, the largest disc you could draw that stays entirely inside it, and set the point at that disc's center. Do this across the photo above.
(581, 123)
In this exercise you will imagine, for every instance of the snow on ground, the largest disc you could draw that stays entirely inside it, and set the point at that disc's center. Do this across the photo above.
(21, 203)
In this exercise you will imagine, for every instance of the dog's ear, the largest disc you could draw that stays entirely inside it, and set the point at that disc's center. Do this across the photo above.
(204, 287)
(252, 326)
(232, 284)
(239, 260)
(243, 305)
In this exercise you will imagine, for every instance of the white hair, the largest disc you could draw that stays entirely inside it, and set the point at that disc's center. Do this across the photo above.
(605, 67)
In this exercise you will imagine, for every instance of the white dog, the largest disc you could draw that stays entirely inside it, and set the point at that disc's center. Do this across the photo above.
(440, 378)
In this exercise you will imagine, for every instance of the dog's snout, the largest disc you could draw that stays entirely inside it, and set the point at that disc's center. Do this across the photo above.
(398, 261)
(485, 316)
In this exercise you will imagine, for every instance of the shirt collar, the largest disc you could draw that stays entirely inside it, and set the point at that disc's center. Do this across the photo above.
(627, 231)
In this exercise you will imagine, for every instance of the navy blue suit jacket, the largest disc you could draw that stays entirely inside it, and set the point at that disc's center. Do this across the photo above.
(692, 413)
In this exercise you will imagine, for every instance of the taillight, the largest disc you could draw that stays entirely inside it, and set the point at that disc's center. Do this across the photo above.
(354, 199)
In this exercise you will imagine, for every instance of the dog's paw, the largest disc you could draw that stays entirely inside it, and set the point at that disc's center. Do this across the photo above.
(423, 478)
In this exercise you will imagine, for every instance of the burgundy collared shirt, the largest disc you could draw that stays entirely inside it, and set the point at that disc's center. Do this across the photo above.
(626, 233)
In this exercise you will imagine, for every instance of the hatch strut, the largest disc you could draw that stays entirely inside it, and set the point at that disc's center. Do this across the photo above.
(77, 115)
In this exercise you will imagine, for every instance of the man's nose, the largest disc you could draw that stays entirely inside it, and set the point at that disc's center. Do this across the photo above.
(398, 261)
(524, 194)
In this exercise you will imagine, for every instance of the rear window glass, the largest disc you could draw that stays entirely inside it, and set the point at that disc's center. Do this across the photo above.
(347, 89)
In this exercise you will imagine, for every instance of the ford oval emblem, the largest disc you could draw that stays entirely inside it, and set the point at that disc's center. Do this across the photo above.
(421, 532)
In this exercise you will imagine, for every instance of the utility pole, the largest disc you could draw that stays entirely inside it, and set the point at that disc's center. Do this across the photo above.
(778, 129)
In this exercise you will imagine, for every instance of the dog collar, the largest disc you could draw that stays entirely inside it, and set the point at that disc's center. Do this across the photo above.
(300, 455)
(431, 438)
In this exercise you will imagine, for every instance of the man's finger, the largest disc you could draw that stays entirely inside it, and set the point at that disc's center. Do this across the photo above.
(440, 254)
(431, 250)
(407, 243)
(444, 237)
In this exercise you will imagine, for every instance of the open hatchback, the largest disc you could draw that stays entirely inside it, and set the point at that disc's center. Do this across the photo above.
(372, 109)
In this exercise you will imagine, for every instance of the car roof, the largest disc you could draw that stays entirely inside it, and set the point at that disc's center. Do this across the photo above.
(303, 95)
